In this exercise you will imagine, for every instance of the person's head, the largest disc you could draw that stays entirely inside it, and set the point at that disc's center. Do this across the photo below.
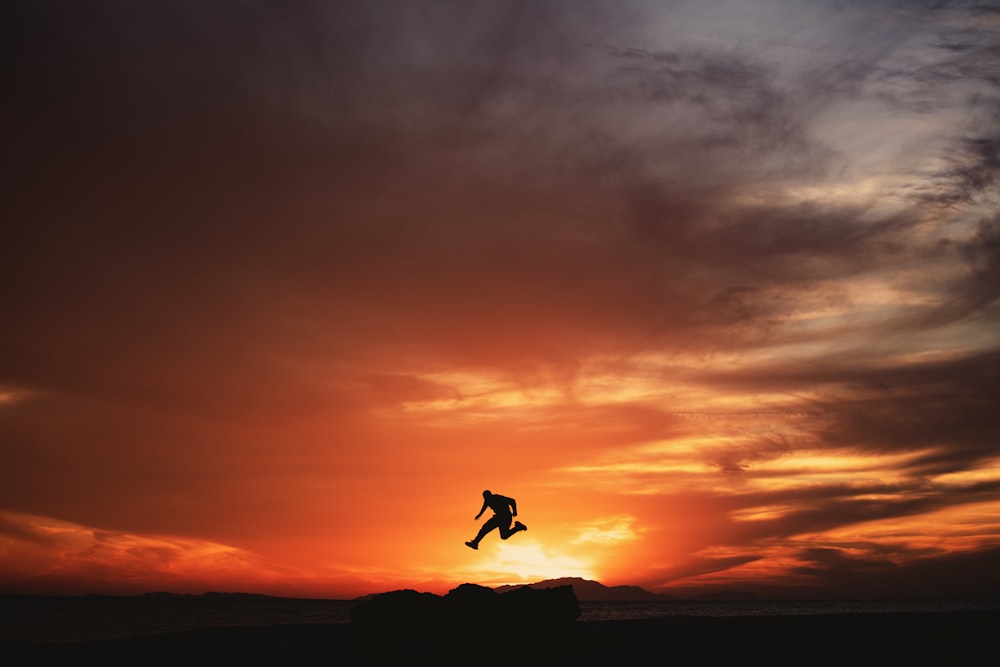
(487, 494)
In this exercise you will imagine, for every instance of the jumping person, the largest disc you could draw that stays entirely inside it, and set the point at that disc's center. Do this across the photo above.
(504, 511)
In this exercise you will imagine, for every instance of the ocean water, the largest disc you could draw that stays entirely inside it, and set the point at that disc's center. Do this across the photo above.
(84, 618)
(614, 611)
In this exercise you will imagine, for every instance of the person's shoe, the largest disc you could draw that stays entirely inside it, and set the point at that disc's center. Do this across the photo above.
(472, 545)
(520, 526)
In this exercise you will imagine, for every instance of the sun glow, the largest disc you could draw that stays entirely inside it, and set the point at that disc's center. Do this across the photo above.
(530, 561)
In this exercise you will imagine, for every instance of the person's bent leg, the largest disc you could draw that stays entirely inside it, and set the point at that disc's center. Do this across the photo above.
(508, 531)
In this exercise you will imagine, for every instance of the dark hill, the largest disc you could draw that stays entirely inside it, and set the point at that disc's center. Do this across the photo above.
(587, 590)
(408, 627)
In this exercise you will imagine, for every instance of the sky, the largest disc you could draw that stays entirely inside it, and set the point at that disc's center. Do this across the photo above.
(711, 289)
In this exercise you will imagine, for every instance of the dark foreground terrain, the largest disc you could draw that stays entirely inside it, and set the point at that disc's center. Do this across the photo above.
(919, 638)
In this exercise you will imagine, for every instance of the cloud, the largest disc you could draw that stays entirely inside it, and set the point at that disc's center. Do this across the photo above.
(955, 575)
(48, 554)
(608, 530)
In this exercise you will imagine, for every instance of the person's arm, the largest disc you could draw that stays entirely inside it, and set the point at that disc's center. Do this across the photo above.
(513, 507)
(483, 509)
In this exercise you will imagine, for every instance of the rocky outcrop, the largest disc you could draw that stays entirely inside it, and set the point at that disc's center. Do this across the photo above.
(470, 621)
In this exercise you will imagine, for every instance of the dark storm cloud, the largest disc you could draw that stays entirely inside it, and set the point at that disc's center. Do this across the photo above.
(981, 290)
(956, 575)
(201, 143)
(225, 143)
(247, 151)
(967, 76)
(837, 506)
(945, 412)
(978, 165)
(735, 100)
(941, 409)
(973, 171)
(772, 243)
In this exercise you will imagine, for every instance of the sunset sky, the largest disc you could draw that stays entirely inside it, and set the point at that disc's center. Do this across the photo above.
(711, 288)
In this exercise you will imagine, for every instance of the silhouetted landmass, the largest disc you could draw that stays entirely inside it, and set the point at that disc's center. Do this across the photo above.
(406, 624)
(538, 623)
(917, 638)
(587, 590)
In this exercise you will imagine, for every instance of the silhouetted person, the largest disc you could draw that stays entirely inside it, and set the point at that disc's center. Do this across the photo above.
(504, 511)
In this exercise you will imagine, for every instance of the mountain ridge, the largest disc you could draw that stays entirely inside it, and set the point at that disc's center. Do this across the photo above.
(587, 590)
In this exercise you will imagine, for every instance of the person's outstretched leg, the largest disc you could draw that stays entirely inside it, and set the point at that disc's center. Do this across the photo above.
(487, 527)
